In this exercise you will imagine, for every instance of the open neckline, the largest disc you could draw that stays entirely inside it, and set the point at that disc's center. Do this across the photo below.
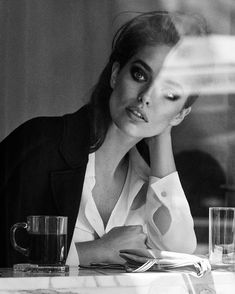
(122, 207)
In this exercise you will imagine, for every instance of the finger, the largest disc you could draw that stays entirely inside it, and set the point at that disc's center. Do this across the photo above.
(136, 228)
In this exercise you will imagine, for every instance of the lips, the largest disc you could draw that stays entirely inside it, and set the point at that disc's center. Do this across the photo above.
(137, 112)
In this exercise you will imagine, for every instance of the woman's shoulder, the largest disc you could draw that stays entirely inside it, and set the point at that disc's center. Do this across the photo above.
(69, 133)
(46, 128)
(37, 129)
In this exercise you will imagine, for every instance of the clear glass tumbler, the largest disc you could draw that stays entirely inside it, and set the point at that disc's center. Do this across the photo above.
(222, 236)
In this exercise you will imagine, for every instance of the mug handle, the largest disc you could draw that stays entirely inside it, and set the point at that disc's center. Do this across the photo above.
(16, 226)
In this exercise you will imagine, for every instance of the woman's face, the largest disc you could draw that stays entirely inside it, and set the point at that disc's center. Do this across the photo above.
(144, 104)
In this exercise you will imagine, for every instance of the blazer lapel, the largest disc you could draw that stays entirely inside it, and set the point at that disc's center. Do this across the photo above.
(67, 188)
(75, 143)
(67, 184)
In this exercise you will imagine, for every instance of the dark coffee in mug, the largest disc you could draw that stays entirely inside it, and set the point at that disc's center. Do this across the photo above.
(48, 249)
(47, 239)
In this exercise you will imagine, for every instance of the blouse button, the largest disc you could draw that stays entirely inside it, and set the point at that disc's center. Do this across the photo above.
(163, 194)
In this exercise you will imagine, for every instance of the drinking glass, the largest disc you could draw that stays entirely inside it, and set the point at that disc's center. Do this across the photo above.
(222, 237)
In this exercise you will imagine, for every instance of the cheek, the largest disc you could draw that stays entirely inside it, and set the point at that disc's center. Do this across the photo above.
(112, 105)
(162, 117)
(123, 94)
(116, 104)
(117, 95)
(125, 87)
(163, 111)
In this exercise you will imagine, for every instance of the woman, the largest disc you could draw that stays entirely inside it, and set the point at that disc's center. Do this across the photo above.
(109, 167)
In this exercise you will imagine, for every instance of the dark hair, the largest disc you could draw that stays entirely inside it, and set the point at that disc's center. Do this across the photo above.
(145, 29)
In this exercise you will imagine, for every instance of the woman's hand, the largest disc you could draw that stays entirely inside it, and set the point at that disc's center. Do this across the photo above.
(106, 249)
(161, 155)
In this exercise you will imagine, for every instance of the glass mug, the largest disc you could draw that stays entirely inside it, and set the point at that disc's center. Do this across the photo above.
(47, 239)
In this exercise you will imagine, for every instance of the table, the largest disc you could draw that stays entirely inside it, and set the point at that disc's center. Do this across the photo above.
(116, 282)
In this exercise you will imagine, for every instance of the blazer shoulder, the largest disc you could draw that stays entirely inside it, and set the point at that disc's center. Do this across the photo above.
(64, 134)
(52, 128)
(33, 132)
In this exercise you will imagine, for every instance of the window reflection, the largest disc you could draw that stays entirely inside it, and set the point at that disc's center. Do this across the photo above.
(205, 144)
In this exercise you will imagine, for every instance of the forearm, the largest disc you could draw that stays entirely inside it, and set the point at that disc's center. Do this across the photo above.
(161, 156)
(180, 236)
(170, 223)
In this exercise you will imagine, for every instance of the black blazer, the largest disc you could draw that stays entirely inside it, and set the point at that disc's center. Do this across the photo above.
(42, 169)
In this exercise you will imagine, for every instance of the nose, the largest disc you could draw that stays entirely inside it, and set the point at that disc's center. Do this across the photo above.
(143, 99)
(144, 96)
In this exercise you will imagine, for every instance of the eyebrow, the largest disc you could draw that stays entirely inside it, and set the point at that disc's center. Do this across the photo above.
(145, 65)
(173, 83)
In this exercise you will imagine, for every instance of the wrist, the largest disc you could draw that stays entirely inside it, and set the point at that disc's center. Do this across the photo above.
(91, 251)
(161, 155)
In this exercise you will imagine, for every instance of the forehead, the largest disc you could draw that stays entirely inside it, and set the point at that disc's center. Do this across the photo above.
(189, 63)
(153, 56)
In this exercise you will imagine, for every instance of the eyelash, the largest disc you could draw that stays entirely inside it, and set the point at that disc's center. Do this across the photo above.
(172, 97)
(138, 74)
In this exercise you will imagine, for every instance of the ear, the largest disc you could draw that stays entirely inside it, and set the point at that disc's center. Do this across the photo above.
(114, 74)
(180, 116)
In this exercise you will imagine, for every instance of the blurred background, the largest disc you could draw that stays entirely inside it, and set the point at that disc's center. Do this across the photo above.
(52, 52)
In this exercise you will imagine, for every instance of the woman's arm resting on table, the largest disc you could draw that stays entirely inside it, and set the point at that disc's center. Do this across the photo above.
(169, 220)
(106, 249)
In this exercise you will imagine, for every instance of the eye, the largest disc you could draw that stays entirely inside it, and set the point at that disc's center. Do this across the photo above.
(138, 74)
(172, 96)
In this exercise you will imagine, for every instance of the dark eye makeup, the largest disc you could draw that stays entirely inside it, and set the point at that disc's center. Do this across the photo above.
(138, 74)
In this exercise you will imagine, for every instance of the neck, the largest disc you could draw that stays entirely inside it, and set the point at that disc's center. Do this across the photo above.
(112, 152)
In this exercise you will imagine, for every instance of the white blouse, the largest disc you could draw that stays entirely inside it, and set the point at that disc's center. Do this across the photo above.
(159, 205)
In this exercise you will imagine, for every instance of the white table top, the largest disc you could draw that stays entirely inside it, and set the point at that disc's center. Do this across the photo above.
(116, 282)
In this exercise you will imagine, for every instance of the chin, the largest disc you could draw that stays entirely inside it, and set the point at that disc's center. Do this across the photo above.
(131, 130)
